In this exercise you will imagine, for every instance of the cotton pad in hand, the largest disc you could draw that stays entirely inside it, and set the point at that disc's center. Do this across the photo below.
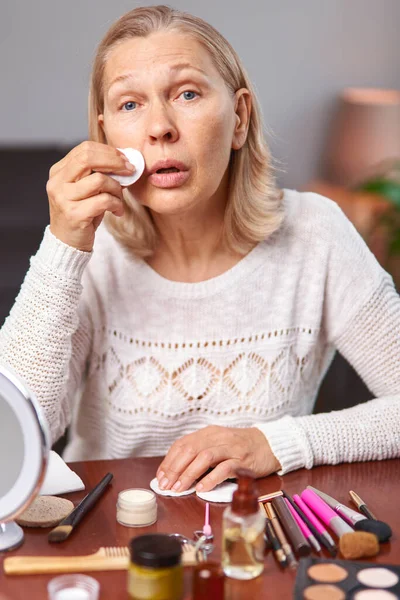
(136, 159)
(221, 493)
(154, 486)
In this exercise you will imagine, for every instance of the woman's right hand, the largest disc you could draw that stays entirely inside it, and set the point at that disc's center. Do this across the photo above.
(80, 191)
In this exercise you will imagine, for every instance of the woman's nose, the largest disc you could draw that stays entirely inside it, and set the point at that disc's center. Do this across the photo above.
(160, 124)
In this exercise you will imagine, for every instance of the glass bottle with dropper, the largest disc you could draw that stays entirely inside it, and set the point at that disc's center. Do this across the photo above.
(243, 525)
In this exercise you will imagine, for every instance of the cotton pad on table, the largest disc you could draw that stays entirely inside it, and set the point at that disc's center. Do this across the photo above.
(221, 493)
(154, 486)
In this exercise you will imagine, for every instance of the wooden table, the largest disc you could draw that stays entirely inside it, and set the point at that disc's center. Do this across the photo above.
(378, 483)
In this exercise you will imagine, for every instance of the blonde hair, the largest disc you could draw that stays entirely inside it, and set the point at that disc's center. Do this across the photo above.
(254, 208)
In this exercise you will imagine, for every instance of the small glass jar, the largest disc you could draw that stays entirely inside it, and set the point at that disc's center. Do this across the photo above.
(155, 571)
(136, 508)
(73, 587)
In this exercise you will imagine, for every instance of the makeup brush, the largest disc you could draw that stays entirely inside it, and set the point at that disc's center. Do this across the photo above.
(325, 513)
(275, 543)
(303, 527)
(313, 530)
(354, 544)
(370, 524)
(286, 547)
(358, 544)
(325, 537)
(296, 537)
(67, 525)
(348, 514)
(362, 506)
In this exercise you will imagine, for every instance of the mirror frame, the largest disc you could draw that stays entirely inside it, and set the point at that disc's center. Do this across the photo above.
(36, 446)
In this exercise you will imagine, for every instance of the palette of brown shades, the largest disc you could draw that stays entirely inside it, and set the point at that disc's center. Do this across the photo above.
(319, 579)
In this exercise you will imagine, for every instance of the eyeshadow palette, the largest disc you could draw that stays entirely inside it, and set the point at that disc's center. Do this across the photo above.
(324, 579)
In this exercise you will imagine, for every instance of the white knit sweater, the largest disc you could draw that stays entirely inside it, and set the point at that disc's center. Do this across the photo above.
(136, 361)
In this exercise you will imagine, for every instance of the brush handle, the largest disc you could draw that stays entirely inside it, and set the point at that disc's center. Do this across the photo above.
(365, 510)
(348, 514)
(320, 508)
(275, 543)
(286, 547)
(325, 513)
(86, 504)
(295, 535)
(321, 538)
(272, 537)
(303, 527)
(33, 565)
(313, 530)
(313, 519)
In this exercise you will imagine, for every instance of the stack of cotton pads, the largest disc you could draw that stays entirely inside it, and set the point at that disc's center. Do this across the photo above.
(221, 493)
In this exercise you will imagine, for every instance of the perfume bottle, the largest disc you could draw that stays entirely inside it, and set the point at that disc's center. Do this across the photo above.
(243, 525)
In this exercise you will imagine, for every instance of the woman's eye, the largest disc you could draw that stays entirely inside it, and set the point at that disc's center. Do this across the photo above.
(189, 95)
(129, 105)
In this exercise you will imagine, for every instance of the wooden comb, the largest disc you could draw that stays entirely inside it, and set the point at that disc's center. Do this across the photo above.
(107, 558)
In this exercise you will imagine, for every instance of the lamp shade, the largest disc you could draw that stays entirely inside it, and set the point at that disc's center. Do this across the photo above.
(366, 133)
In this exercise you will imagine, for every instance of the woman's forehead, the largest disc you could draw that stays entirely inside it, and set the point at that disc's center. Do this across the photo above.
(169, 51)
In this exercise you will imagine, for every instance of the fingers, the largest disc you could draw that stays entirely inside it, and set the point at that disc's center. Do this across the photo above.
(204, 460)
(99, 188)
(191, 456)
(224, 448)
(80, 192)
(88, 157)
(225, 470)
(92, 185)
(83, 212)
(180, 455)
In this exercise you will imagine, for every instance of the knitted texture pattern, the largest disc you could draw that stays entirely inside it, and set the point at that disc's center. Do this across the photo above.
(134, 361)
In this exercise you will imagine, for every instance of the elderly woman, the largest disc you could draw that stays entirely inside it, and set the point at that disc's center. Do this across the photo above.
(195, 313)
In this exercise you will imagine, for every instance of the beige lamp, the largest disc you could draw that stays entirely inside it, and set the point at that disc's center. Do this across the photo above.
(366, 133)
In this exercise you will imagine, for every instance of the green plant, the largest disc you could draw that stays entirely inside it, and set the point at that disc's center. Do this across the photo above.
(387, 184)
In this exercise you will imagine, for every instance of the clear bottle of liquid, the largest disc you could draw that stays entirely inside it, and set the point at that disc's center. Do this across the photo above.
(243, 526)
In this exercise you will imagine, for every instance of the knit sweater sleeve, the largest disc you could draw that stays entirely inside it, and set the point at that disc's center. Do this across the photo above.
(46, 338)
(362, 319)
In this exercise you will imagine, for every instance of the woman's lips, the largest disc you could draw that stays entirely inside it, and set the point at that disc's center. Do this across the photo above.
(169, 180)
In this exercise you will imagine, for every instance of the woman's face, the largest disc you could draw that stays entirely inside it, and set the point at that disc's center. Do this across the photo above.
(164, 96)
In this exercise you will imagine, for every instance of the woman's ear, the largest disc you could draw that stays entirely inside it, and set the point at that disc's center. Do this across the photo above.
(100, 120)
(242, 112)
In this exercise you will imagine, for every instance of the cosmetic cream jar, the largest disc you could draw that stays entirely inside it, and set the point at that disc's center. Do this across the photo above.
(73, 587)
(136, 508)
(155, 570)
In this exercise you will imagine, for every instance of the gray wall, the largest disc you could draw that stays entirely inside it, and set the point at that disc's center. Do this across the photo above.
(299, 53)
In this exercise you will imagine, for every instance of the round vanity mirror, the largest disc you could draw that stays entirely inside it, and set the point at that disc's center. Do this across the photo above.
(24, 451)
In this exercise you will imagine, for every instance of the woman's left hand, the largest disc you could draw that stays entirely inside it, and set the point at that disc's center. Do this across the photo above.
(224, 448)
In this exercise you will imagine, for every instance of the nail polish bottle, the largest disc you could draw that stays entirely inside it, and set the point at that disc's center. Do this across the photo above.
(243, 526)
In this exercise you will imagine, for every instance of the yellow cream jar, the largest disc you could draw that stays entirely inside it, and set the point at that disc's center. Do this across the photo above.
(155, 571)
